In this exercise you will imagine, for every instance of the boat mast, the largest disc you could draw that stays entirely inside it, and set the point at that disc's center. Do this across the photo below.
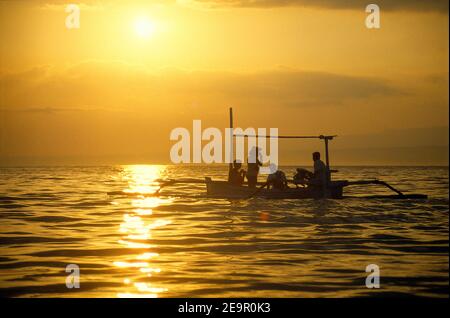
(231, 142)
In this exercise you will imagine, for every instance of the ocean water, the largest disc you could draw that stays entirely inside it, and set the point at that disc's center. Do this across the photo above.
(184, 244)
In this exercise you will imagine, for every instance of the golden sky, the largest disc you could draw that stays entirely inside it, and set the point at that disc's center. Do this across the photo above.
(112, 90)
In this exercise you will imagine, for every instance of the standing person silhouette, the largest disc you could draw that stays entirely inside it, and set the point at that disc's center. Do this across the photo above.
(253, 165)
(320, 170)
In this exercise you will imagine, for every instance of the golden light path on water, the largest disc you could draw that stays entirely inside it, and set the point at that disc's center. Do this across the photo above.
(137, 226)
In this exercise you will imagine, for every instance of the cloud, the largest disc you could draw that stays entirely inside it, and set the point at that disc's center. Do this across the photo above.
(61, 6)
(115, 86)
(98, 108)
(441, 6)
(46, 110)
(300, 88)
(397, 5)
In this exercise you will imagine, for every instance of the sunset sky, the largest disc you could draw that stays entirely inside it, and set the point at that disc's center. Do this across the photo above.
(112, 90)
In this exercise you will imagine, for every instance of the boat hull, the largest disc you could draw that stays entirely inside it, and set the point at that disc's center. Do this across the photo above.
(223, 189)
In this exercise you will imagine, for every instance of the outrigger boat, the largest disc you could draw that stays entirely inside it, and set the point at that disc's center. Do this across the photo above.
(334, 189)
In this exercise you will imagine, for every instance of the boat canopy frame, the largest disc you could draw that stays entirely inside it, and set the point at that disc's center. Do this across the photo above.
(325, 138)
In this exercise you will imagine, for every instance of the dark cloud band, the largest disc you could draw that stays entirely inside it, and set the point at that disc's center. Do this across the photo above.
(441, 6)
(397, 5)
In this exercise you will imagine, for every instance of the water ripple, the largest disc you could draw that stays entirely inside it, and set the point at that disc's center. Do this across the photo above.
(186, 244)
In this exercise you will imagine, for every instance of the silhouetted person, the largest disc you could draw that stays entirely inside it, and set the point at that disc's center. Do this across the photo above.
(320, 171)
(236, 175)
(253, 165)
(302, 177)
(277, 180)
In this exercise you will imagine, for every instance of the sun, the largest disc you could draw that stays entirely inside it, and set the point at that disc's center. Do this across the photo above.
(144, 27)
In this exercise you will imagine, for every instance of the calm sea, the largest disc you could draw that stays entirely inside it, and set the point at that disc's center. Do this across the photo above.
(184, 244)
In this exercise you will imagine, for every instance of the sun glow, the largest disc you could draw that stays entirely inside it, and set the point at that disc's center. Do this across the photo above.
(144, 27)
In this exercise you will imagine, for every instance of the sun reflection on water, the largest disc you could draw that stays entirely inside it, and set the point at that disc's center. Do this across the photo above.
(136, 229)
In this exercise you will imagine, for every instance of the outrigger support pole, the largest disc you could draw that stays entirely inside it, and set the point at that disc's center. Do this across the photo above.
(327, 155)
(230, 166)
(349, 183)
